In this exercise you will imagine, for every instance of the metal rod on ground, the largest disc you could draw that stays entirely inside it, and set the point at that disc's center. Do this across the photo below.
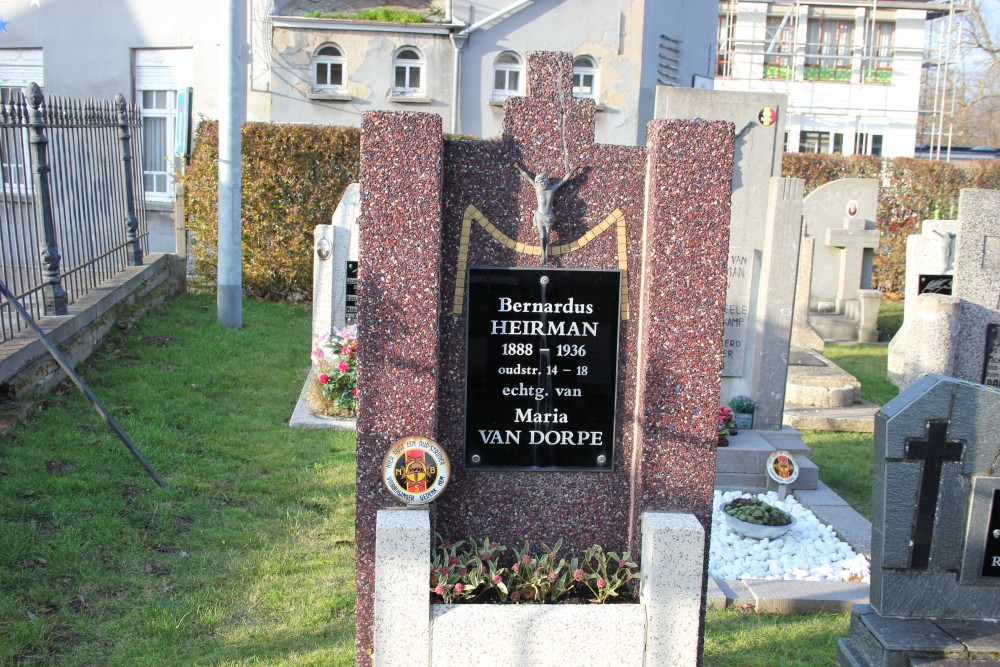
(61, 360)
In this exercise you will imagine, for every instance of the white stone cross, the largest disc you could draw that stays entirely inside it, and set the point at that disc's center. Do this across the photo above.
(853, 239)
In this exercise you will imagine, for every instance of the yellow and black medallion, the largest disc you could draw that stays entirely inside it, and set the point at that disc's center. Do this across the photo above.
(416, 470)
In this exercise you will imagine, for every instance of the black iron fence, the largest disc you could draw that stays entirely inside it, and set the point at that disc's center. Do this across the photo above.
(71, 214)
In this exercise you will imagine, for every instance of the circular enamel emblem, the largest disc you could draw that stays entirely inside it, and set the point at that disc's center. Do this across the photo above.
(767, 116)
(416, 470)
(781, 467)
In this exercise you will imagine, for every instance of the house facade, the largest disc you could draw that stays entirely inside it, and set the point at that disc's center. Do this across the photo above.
(461, 61)
(851, 70)
(463, 65)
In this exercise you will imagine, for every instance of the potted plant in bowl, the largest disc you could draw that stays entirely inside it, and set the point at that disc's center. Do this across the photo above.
(752, 517)
(743, 406)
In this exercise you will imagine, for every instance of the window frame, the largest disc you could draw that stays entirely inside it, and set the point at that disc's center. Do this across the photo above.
(880, 50)
(592, 70)
(167, 71)
(779, 62)
(408, 66)
(18, 68)
(330, 62)
(507, 69)
(724, 52)
(828, 60)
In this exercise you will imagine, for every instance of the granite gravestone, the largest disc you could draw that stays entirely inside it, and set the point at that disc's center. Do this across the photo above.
(433, 209)
(763, 253)
(946, 334)
(935, 593)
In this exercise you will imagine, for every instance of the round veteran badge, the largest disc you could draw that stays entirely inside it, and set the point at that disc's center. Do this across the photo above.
(782, 467)
(416, 470)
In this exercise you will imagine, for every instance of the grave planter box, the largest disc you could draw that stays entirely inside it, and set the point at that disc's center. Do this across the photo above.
(553, 634)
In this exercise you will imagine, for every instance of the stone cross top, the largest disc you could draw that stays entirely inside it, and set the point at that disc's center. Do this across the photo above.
(852, 239)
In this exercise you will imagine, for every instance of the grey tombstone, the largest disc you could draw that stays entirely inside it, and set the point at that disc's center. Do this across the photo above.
(935, 592)
(334, 246)
(977, 278)
(764, 232)
(951, 334)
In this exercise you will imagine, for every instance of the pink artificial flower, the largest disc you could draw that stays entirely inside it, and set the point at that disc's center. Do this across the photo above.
(601, 583)
(515, 568)
(552, 576)
(440, 589)
(496, 579)
(459, 588)
(344, 367)
(453, 560)
(323, 378)
(345, 350)
(578, 575)
(525, 559)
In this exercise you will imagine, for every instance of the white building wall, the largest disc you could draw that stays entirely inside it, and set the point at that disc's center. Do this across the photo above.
(889, 110)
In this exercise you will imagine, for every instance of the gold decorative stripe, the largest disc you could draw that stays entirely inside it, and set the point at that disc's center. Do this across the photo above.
(616, 218)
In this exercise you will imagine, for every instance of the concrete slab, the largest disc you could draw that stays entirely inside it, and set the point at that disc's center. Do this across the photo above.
(806, 597)
(859, 417)
(736, 592)
(715, 597)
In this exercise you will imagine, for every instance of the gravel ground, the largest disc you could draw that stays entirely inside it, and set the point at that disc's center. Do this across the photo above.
(810, 551)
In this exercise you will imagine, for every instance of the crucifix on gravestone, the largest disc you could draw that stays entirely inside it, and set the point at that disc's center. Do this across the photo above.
(853, 239)
(545, 194)
(934, 452)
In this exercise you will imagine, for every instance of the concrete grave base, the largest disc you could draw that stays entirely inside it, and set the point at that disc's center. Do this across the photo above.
(877, 640)
(662, 629)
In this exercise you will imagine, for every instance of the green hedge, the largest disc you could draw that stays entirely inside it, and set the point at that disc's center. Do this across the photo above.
(293, 178)
(910, 192)
(294, 175)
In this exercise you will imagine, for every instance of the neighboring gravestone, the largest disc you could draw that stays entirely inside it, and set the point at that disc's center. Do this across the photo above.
(659, 217)
(763, 252)
(935, 589)
(977, 278)
(951, 333)
(839, 217)
(335, 255)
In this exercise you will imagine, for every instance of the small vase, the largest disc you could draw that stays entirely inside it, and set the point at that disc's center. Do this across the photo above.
(722, 442)
(744, 420)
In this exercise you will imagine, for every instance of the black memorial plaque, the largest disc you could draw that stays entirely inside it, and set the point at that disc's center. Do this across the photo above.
(541, 369)
(934, 284)
(351, 304)
(991, 554)
(991, 361)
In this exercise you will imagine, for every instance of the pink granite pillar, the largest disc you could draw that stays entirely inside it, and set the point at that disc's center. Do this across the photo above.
(399, 309)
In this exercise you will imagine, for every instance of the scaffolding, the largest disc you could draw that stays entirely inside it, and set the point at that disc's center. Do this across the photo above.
(786, 56)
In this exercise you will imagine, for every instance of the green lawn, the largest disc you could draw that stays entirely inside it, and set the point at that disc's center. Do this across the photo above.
(248, 557)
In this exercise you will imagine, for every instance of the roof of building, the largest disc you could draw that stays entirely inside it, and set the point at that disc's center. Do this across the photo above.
(303, 7)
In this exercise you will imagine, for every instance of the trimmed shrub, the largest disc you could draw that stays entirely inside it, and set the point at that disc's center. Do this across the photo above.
(910, 192)
(293, 178)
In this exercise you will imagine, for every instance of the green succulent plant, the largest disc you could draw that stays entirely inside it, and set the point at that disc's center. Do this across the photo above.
(753, 510)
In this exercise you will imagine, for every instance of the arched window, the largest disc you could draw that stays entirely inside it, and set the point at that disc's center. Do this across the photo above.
(408, 72)
(507, 75)
(328, 69)
(585, 77)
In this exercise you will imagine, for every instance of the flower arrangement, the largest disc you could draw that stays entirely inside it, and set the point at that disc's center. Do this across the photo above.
(335, 368)
(727, 422)
(474, 574)
(743, 404)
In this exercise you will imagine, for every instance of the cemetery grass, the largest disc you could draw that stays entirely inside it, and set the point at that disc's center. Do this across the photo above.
(248, 556)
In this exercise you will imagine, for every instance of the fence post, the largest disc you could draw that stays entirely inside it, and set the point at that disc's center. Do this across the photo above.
(131, 221)
(53, 295)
